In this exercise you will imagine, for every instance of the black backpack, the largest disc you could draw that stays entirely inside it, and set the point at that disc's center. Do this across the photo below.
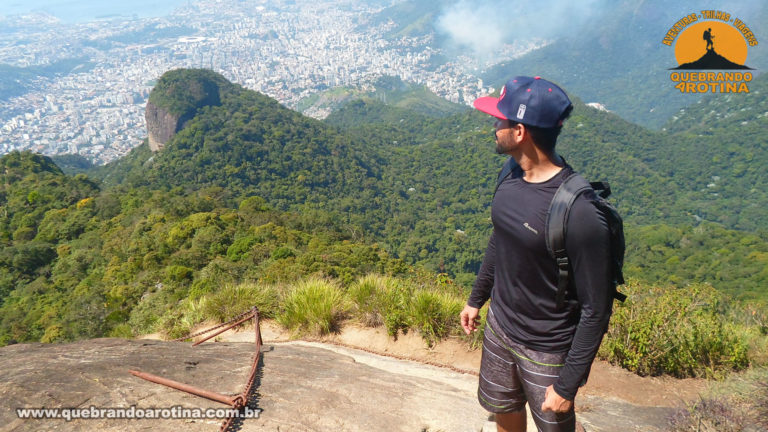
(557, 218)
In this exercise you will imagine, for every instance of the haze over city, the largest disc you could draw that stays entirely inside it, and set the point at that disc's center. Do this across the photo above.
(100, 63)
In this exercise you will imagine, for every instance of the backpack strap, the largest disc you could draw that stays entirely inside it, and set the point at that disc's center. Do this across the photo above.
(557, 218)
(602, 188)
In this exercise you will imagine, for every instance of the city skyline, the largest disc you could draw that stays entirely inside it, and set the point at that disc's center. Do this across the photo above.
(286, 50)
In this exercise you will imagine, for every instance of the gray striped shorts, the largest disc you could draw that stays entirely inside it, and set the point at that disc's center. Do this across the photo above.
(511, 375)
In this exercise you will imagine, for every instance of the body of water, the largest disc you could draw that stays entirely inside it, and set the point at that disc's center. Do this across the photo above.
(75, 11)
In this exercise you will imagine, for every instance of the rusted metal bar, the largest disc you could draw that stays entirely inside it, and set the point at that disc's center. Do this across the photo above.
(218, 326)
(242, 320)
(235, 401)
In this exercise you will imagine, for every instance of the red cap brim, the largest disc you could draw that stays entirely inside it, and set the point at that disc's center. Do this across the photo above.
(488, 105)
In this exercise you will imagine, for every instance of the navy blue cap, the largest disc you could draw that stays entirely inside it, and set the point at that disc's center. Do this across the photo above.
(529, 100)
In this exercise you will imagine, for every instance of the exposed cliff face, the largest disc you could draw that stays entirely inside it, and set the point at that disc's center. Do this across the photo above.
(161, 126)
(175, 100)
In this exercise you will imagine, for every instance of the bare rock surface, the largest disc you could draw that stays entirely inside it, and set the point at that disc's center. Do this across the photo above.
(161, 126)
(301, 386)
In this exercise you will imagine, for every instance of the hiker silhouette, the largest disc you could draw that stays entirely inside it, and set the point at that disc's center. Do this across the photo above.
(708, 37)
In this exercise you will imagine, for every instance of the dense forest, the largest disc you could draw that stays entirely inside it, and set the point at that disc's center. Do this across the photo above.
(250, 191)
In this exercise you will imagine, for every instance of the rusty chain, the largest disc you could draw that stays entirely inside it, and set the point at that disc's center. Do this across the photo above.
(200, 333)
(238, 402)
(254, 370)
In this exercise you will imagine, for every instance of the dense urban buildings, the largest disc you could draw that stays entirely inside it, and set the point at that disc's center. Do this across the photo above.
(285, 49)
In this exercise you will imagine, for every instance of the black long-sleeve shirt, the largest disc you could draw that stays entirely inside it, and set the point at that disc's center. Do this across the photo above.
(520, 276)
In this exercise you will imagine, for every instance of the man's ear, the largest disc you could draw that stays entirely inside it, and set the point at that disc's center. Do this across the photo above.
(520, 132)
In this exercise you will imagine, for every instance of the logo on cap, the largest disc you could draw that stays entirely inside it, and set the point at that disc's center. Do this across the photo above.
(521, 111)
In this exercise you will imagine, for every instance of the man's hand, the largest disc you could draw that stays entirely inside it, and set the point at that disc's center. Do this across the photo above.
(470, 318)
(554, 402)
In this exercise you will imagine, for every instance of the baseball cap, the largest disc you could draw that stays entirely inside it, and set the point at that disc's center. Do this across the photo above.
(529, 100)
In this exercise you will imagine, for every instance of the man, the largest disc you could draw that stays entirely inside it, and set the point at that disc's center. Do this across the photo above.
(534, 351)
(708, 37)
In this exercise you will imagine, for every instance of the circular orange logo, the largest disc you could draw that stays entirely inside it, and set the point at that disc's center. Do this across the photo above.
(708, 39)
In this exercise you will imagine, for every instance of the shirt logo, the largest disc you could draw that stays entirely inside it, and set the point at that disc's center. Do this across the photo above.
(530, 227)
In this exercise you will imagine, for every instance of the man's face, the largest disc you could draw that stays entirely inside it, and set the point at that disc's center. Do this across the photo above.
(505, 136)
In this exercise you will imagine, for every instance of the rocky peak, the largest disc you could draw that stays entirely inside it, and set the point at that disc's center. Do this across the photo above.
(176, 99)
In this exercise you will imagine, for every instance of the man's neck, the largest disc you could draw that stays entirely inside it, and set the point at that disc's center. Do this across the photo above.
(539, 167)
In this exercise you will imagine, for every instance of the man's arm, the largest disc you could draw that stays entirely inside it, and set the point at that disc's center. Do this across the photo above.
(588, 243)
(481, 290)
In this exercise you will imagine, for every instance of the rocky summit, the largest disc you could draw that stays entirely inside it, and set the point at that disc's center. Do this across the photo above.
(300, 387)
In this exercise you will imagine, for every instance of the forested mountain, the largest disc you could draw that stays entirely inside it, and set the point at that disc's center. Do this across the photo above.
(715, 151)
(249, 190)
(392, 91)
(421, 185)
(618, 59)
(118, 261)
(606, 52)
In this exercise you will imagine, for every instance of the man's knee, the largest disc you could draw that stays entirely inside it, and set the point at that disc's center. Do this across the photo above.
(511, 422)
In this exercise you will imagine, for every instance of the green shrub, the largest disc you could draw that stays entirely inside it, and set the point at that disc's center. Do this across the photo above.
(233, 300)
(122, 331)
(177, 273)
(682, 332)
(435, 314)
(179, 321)
(368, 296)
(396, 307)
(283, 252)
(241, 247)
(314, 306)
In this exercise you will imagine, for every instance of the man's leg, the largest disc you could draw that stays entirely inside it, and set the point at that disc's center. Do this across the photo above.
(531, 371)
(538, 371)
(511, 422)
(499, 389)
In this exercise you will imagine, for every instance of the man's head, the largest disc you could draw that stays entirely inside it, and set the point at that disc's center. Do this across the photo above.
(538, 104)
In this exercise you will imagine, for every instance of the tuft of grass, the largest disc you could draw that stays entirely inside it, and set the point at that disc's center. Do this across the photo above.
(367, 298)
(401, 305)
(435, 314)
(235, 299)
(314, 306)
(179, 321)
(382, 300)
(738, 403)
(708, 415)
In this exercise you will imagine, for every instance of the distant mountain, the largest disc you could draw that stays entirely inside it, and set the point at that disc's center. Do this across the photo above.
(712, 60)
(392, 91)
(619, 61)
(16, 81)
(176, 98)
(250, 144)
(715, 151)
(410, 18)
